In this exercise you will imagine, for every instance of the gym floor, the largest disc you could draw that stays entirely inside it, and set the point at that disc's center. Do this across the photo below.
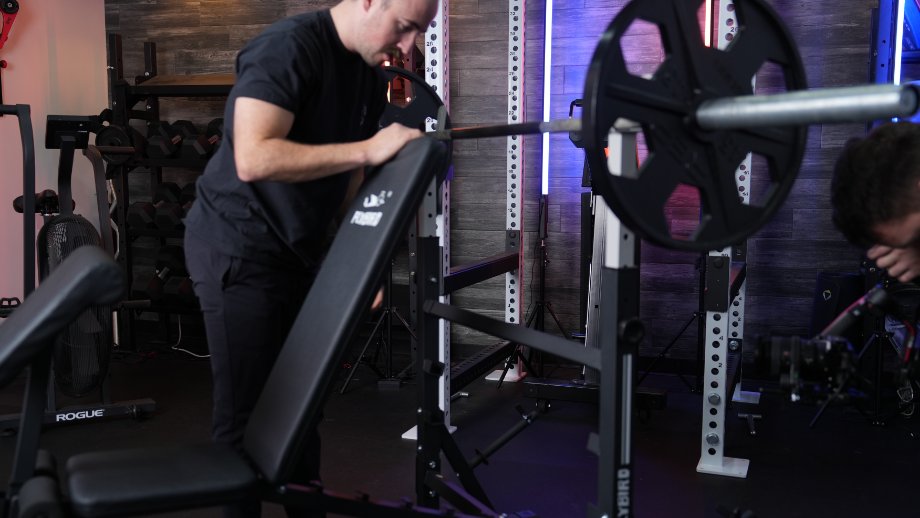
(843, 467)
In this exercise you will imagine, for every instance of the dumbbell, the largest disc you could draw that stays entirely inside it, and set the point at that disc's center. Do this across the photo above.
(184, 128)
(143, 214)
(188, 193)
(157, 283)
(215, 131)
(168, 212)
(163, 140)
(171, 257)
(169, 215)
(194, 144)
(167, 191)
(179, 291)
(171, 289)
(196, 148)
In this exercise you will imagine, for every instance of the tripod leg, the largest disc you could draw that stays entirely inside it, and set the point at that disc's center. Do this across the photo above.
(538, 308)
(533, 314)
(405, 373)
(513, 357)
(665, 352)
(404, 323)
(354, 366)
(552, 313)
(526, 362)
(508, 365)
(866, 346)
(827, 403)
(876, 382)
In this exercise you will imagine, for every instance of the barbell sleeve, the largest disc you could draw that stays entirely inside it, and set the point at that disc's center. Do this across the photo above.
(827, 105)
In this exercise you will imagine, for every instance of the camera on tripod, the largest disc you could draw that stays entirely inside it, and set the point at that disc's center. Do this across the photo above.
(830, 367)
(806, 368)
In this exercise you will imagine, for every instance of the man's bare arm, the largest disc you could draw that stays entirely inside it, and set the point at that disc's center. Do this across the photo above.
(263, 152)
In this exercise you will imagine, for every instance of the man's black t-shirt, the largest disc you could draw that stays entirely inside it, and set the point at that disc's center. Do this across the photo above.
(301, 65)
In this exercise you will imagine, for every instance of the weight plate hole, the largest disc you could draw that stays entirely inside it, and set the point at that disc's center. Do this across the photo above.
(643, 49)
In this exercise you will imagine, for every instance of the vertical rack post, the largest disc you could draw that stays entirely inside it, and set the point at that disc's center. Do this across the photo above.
(619, 333)
(514, 178)
(724, 319)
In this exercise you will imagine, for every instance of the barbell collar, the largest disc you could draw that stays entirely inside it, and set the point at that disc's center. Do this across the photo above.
(802, 107)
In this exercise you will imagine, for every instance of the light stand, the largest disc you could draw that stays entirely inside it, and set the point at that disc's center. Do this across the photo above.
(382, 335)
(537, 318)
(697, 315)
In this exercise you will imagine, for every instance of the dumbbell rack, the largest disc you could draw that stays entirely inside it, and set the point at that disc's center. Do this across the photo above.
(140, 102)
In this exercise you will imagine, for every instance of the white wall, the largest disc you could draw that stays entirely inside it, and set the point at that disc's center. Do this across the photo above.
(57, 65)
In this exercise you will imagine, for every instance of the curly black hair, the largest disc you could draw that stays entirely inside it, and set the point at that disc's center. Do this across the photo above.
(875, 180)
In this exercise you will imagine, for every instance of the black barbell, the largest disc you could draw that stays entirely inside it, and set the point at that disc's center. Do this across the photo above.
(827, 105)
(699, 118)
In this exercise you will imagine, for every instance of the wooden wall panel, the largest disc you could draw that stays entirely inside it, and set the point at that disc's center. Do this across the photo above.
(785, 256)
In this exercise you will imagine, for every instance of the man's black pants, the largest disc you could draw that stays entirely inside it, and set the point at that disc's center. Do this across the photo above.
(248, 309)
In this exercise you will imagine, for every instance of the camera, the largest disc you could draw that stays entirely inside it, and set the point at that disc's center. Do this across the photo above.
(810, 369)
(806, 368)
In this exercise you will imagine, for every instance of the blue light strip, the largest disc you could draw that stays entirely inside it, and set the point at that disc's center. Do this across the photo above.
(547, 69)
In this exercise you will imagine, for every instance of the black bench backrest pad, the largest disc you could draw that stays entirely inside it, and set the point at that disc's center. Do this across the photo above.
(341, 294)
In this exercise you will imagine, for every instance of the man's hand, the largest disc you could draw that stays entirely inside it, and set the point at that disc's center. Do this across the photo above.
(901, 263)
(378, 300)
(388, 141)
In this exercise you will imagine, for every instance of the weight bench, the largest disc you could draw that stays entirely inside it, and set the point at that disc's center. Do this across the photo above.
(152, 480)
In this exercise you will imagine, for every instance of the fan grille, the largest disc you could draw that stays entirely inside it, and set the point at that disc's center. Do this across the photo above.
(82, 351)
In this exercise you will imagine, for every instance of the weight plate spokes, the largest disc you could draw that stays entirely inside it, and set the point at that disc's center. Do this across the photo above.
(422, 108)
(680, 152)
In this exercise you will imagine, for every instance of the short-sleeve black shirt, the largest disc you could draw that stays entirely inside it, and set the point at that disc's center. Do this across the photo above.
(301, 65)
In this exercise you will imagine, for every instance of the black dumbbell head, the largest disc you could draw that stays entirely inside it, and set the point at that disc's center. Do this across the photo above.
(167, 191)
(169, 216)
(196, 147)
(188, 193)
(185, 128)
(215, 128)
(172, 257)
(141, 215)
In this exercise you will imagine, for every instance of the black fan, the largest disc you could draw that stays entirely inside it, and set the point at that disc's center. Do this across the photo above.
(81, 353)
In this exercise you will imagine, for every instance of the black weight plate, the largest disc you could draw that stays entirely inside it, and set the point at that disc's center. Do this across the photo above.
(421, 109)
(679, 151)
(114, 136)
